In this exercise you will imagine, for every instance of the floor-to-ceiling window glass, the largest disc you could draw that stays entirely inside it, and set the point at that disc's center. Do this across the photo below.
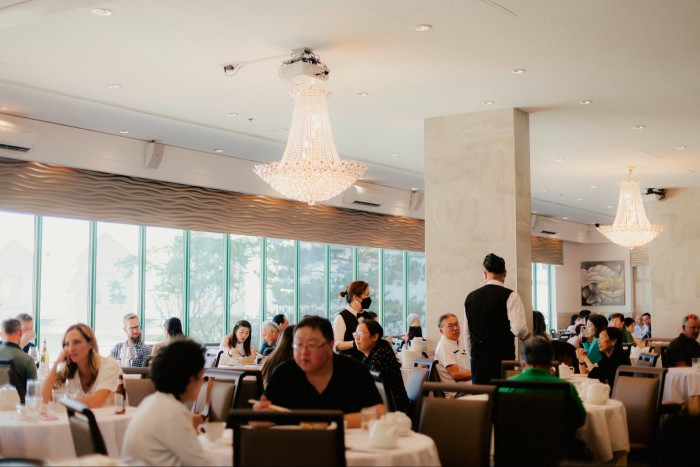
(416, 286)
(206, 286)
(16, 264)
(165, 279)
(64, 278)
(394, 295)
(116, 280)
(543, 292)
(245, 280)
(368, 270)
(340, 277)
(312, 279)
(280, 281)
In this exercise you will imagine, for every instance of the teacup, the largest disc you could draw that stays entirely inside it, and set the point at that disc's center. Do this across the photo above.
(566, 371)
(598, 393)
(212, 430)
(383, 434)
(401, 420)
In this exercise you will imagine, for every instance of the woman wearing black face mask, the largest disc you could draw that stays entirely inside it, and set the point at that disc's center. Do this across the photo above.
(346, 321)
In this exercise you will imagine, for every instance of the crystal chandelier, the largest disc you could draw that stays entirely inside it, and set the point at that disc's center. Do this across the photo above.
(310, 169)
(631, 227)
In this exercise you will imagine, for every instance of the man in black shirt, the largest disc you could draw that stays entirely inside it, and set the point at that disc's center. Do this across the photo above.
(319, 379)
(685, 347)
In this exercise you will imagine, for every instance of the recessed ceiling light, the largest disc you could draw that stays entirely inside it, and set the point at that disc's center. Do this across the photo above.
(414, 188)
(219, 151)
(363, 94)
(535, 212)
(585, 102)
(518, 71)
(394, 154)
(603, 173)
(114, 86)
(232, 114)
(610, 206)
(677, 147)
(488, 102)
(423, 27)
(594, 186)
(559, 159)
(124, 132)
(544, 190)
(101, 12)
(579, 199)
(565, 218)
(638, 127)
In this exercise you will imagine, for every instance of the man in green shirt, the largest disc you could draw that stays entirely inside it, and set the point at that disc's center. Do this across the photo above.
(537, 355)
(25, 368)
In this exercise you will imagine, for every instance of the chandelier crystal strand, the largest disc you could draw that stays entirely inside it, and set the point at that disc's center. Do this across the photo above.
(310, 169)
(631, 227)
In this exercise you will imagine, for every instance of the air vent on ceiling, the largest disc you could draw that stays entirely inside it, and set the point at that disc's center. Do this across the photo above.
(16, 139)
(362, 194)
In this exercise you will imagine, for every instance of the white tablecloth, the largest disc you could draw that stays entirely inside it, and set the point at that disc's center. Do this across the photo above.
(52, 440)
(414, 449)
(605, 431)
(681, 383)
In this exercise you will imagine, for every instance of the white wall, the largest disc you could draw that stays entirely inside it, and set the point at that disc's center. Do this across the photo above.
(568, 279)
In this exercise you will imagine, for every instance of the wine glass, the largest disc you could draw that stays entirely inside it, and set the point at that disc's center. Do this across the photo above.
(73, 388)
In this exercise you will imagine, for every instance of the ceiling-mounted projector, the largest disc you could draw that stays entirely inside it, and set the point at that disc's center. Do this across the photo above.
(303, 68)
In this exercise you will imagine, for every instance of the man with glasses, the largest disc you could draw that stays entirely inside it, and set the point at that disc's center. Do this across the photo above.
(132, 352)
(450, 351)
(685, 347)
(318, 378)
(495, 315)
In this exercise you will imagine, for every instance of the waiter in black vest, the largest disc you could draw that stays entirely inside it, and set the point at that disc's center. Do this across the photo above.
(494, 315)
(345, 322)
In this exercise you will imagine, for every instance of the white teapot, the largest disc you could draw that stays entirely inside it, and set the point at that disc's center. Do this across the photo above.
(598, 393)
(401, 420)
(566, 371)
(383, 434)
(9, 398)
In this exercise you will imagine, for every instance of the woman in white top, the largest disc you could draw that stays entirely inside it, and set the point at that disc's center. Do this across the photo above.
(237, 344)
(97, 376)
(161, 431)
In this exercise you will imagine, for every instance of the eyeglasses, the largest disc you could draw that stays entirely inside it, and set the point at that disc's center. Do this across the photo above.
(451, 325)
(134, 328)
(310, 347)
(358, 334)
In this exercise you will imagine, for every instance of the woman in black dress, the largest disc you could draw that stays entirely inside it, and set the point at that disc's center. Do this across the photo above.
(612, 356)
(379, 357)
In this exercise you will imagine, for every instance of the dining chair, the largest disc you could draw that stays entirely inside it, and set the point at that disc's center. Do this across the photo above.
(662, 349)
(647, 359)
(396, 343)
(8, 374)
(416, 378)
(532, 423)
(510, 368)
(627, 347)
(431, 365)
(442, 419)
(137, 390)
(212, 357)
(640, 389)
(215, 399)
(268, 445)
(143, 372)
(248, 384)
(87, 438)
(210, 345)
(384, 392)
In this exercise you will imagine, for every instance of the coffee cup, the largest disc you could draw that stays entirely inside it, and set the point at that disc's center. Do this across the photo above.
(212, 430)
(566, 371)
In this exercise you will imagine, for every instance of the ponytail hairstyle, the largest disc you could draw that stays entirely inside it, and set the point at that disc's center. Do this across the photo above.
(354, 288)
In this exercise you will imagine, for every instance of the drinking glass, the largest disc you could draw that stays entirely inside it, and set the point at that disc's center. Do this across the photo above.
(367, 415)
(73, 388)
(56, 394)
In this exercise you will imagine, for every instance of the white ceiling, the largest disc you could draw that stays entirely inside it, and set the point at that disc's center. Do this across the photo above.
(637, 60)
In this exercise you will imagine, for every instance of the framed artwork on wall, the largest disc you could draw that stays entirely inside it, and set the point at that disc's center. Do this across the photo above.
(602, 283)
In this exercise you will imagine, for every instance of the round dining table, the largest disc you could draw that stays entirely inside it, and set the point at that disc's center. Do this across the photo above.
(605, 431)
(50, 437)
(413, 449)
(681, 384)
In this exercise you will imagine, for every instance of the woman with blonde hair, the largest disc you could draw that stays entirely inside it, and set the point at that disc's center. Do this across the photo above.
(97, 377)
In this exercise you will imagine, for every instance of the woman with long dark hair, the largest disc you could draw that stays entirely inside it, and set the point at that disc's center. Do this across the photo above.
(283, 352)
(238, 343)
(595, 325)
(172, 329)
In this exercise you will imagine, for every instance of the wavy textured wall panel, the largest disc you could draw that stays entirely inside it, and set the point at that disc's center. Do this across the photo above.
(547, 250)
(52, 190)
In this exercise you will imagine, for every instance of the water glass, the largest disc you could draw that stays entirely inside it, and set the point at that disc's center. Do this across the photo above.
(33, 388)
(33, 407)
(696, 363)
(73, 388)
(367, 415)
(56, 394)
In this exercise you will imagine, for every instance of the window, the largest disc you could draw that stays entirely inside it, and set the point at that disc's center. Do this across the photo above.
(280, 282)
(416, 285)
(543, 292)
(340, 277)
(206, 287)
(165, 274)
(245, 281)
(394, 297)
(116, 280)
(64, 278)
(312, 275)
(16, 264)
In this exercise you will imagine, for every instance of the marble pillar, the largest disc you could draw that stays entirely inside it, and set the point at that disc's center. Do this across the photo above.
(477, 201)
